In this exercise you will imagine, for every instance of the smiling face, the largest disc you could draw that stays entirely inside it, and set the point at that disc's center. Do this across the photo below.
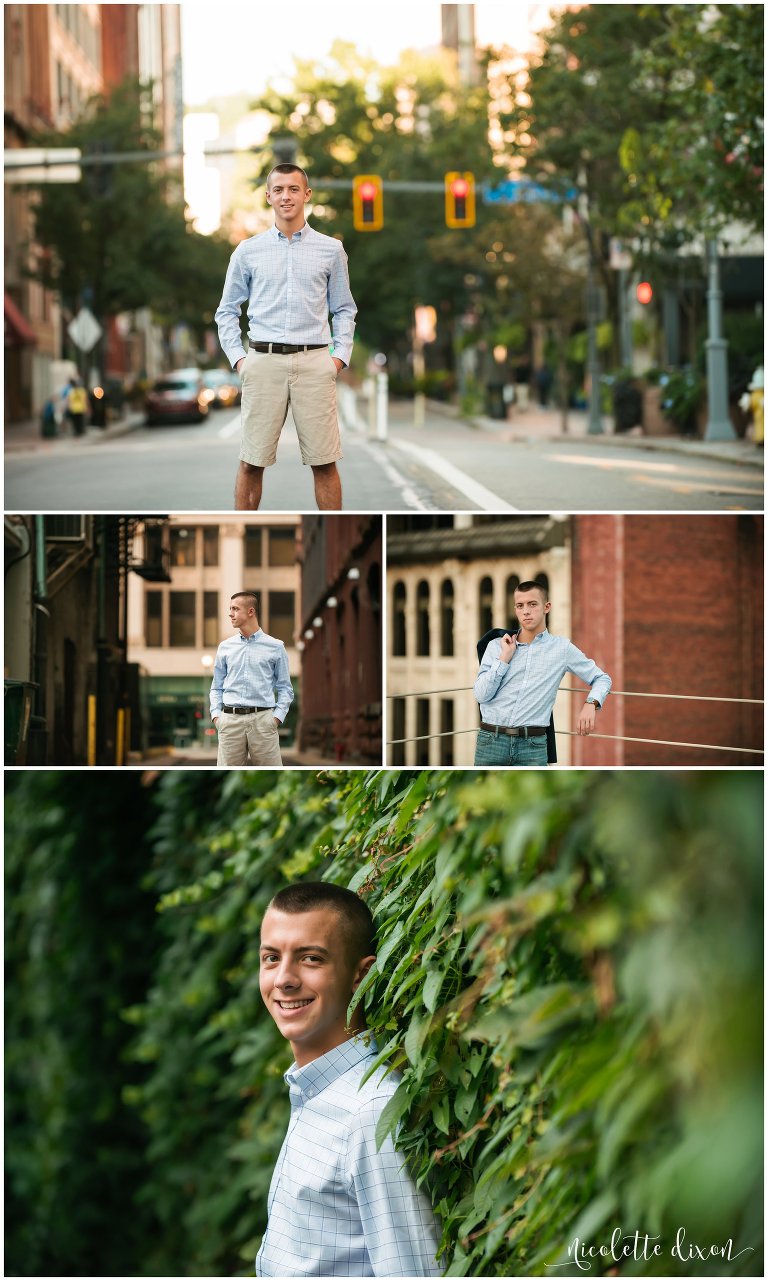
(288, 193)
(531, 608)
(307, 975)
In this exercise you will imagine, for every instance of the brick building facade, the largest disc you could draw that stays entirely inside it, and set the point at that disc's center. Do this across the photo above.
(341, 678)
(675, 604)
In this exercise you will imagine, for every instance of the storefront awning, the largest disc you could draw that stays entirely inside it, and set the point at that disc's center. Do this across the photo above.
(18, 331)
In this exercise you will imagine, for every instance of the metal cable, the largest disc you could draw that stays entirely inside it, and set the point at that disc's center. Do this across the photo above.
(618, 738)
(625, 693)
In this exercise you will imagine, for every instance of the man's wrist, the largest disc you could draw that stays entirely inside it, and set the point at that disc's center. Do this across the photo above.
(592, 702)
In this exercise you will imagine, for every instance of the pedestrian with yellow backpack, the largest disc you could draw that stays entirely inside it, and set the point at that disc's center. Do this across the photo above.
(77, 406)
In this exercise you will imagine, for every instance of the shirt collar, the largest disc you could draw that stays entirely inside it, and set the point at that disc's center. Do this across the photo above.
(253, 635)
(302, 234)
(540, 636)
(309, 1081)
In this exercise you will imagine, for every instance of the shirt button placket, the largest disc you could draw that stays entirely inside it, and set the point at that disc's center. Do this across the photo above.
(289, 291)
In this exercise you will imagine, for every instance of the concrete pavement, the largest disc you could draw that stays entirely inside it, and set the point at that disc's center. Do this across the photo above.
(449, 463)
(205, 758)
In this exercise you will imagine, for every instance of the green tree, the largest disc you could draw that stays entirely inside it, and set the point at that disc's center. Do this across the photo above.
(527, 271)
(80, 946)
(701, 166)
(569, 115)
(118, 238)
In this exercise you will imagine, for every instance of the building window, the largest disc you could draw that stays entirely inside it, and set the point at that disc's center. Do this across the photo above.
(253, 558)
(282, 547)
(153, 618)
(398, 620)
(446, 618)
(422, 729)
(422, 617)
(183, 549)
(485, 602)
(282, 607)
(513, 582)
(211, 622)
(210, 545)
(446, 731)
(398, 731)
(182, 610)
(153, 544)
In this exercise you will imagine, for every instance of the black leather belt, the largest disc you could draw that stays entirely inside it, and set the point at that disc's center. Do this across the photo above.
(286, 348)
(515, 731)
(243, 711)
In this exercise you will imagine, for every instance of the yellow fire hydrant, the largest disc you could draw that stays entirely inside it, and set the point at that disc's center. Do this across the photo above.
(753, 403)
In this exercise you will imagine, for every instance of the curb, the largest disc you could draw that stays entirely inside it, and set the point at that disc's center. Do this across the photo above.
(672, 444)
(31, 439)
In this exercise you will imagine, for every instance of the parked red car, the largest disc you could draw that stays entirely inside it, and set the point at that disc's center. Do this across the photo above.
(180, 396)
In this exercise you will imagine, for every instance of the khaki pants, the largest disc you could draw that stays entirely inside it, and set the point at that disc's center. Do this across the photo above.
(306, 381)
(252, 739)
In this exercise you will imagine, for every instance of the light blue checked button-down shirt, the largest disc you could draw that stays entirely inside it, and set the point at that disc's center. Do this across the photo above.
(291, 287)
(251, 671)
(523, 691)
(337, 1207)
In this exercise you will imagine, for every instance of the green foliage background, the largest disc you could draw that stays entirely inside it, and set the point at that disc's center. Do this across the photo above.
(569, 980)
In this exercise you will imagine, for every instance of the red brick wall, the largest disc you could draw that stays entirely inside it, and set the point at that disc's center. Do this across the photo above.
(692, 589)
(119, 43)
(341, 713)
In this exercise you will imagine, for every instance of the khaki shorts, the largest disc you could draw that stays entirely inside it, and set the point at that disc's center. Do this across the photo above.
(306, 381)
(252, 739)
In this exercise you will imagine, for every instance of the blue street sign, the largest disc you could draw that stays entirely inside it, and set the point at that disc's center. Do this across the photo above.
(523, 191)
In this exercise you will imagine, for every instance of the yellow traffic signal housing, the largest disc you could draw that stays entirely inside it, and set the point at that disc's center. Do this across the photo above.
(368, 202)
(459, 199)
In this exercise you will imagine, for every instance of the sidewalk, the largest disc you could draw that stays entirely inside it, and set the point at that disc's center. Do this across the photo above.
(28, 434)
(537, 423)
(204, 757)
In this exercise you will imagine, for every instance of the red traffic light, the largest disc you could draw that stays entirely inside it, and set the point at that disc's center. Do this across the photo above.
(367, 202)
(459, 199)
(644, 292)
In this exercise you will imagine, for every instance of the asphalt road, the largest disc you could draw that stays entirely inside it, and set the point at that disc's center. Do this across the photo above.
(442, 466)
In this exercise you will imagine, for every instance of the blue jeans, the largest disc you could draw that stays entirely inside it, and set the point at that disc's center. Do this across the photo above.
(506, 749)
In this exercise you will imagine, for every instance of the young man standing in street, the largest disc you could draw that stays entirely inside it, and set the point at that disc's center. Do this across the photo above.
(338, 1207)
(292, 277)
(518, 682)
(251, 689)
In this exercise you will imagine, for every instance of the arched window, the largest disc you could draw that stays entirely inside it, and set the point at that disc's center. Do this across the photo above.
(422, 618)
(398, 620)
(446, 618)
(485, 604)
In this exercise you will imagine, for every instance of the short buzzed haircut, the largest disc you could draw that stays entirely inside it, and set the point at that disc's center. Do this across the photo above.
(287, 168)
(251, 597)
(531, 586)
(357, 921)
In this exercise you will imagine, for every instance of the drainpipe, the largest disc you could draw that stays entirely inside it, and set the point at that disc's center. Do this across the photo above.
(102, 649)
(38, 721)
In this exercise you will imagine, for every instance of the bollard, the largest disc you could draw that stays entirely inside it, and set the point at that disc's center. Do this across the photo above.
(382, 405)
(419, 409)
(369, 390)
